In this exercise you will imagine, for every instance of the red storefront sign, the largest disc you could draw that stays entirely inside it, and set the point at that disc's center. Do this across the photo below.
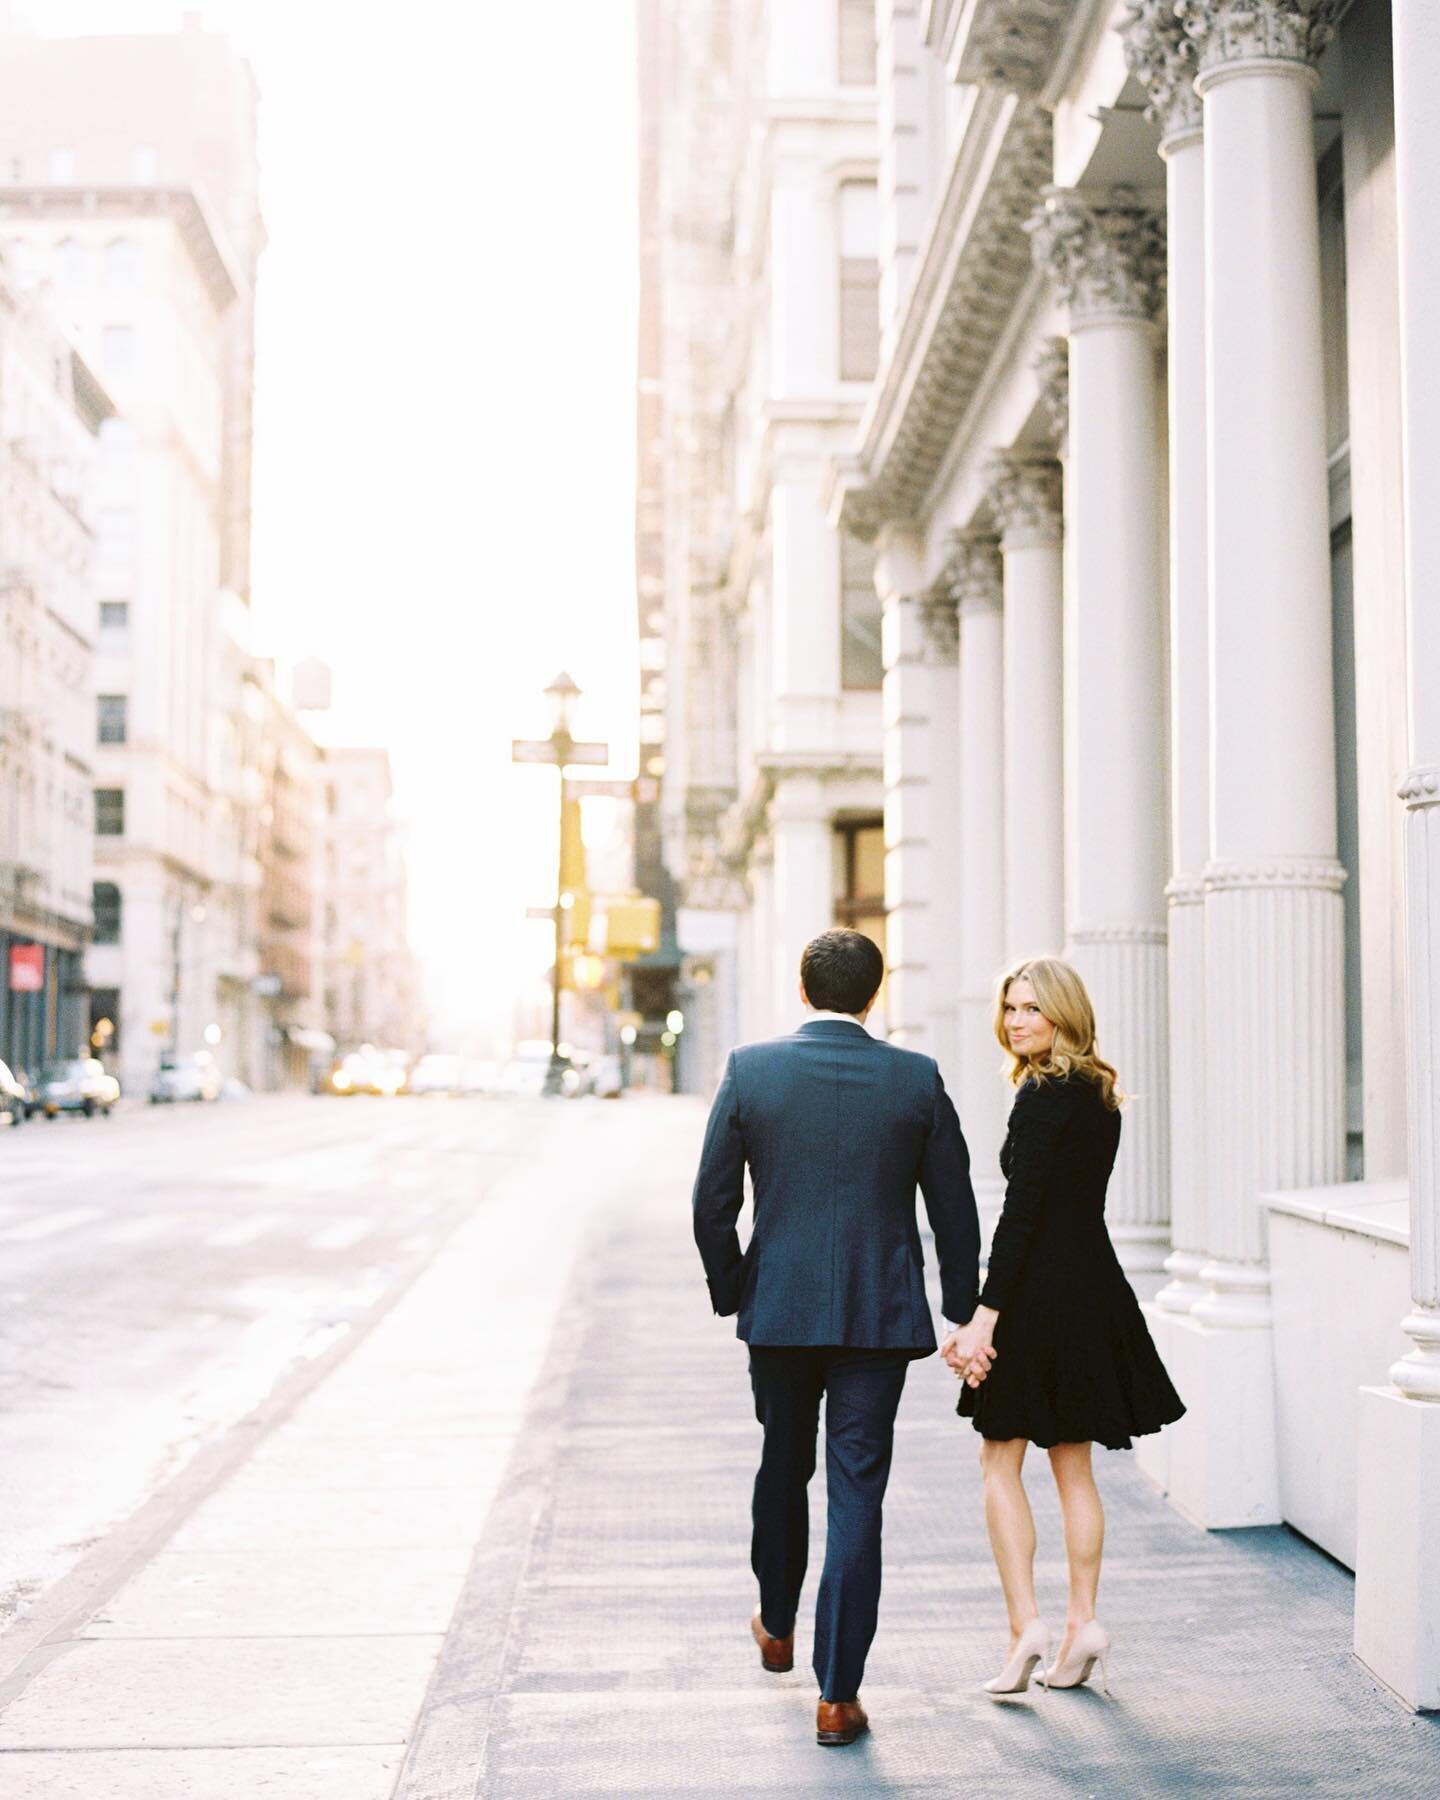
(27, 968)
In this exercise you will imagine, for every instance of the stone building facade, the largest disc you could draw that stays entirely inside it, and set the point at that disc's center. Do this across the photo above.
(1144, 472)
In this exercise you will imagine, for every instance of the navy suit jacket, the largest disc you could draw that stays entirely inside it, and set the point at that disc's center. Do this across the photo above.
(838, 1129)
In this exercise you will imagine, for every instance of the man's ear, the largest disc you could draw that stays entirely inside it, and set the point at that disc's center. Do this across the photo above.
(804, 997)
(869, 1005)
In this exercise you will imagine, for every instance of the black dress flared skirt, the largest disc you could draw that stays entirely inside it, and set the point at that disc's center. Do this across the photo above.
(1075, 1362)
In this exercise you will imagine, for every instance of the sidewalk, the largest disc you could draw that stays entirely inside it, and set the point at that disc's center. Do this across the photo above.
(546, 1445)
(601, 1643)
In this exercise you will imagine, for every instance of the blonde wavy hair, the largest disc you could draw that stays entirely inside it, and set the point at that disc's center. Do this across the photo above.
(1062, 997)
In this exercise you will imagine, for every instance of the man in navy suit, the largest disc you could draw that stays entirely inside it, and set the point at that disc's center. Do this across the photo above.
(837, 1130)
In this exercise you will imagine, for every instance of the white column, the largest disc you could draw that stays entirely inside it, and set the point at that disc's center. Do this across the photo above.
(1159, 52)
(1274, 1062)
(803, 885)
(1106, 255)
(975, 579)
(1397, 1586)
(1025, 500)
(921, 694)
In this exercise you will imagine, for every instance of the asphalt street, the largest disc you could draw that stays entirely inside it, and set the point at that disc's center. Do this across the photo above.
(160, 1271)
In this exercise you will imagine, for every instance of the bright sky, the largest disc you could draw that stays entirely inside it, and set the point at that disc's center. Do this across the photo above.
(445, 413)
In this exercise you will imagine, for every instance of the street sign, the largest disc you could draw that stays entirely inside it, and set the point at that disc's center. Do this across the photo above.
(27, 968)
(541, 750)
(540, 912)
(589, 789)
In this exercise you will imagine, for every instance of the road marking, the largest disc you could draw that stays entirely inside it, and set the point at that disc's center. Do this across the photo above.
(342, 1235)
(49, 1225)
(135, 1231)
(243, 1231)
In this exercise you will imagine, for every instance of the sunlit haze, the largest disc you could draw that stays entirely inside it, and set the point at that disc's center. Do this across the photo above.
(444, 416)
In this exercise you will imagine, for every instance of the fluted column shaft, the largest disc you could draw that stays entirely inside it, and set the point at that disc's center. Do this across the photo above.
(1417, 80)
(1273, 918)
(975, 575)
(1159, 51)
(1025, 499)
(1106, 256)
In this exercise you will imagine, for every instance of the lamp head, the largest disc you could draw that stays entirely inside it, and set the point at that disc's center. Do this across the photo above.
(561, 696)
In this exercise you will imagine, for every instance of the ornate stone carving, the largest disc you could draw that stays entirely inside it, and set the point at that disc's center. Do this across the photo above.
(1421, 787)
(1161, 53)
(1106, 253)
(1025, 497)
(973, 570)
(940, 622)
(963, 297)
(1228, 31)
(1052, 371)
(1013, 44)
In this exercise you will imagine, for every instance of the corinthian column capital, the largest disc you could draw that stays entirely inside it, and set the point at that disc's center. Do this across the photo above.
(940, 623)
(1024, 493)
(1235, 31)
(1104, 252)
(1161, 54)
(973, 570)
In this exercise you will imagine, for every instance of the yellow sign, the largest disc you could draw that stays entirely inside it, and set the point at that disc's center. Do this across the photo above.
(633, 926)
(572, 847)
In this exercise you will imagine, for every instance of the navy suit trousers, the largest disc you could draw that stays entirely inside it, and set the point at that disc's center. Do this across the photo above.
(861, 1389)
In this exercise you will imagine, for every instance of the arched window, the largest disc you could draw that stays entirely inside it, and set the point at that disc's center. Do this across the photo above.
(106, 905)
(122, 260)
(71, 260)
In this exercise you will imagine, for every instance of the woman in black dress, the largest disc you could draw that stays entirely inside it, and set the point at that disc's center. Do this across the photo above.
(1073, 1362)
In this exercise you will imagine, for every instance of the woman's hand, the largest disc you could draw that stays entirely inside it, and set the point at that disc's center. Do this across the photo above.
(970, 1350)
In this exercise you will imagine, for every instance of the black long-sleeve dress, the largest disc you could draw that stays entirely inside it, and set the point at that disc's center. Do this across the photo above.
(1074, 1361)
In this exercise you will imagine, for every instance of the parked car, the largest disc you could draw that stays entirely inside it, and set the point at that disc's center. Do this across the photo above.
(480, 1077)
(78, 1084)
(524, 1078)
(436, 1074)
(14, 1098)
(184, 1078)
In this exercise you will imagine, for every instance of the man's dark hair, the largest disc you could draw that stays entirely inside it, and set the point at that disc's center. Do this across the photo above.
(841, 971)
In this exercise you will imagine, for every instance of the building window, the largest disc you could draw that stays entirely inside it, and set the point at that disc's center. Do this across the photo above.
(62, 168)
(113, 718)
(70, 262)
(860, 903)
(861, 664)
(106, 905)
(114, 618)
(857, 43)
(117, 349)
(110, 812)
(859, 281)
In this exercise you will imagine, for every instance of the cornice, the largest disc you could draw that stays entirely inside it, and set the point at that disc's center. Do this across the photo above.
(974, 266)
(1010, 44)
(181, 205)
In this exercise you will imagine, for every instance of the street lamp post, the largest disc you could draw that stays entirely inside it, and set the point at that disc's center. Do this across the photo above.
(559, 748)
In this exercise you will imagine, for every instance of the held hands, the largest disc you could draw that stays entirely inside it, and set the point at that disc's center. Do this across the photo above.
(968, 1350)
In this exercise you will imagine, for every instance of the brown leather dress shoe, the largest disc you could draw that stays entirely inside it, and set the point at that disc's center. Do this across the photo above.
(776, 1654)
(839, 1721)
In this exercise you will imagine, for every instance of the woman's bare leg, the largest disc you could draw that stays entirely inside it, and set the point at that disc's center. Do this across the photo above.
(1084, 1519)
(1011, 1525)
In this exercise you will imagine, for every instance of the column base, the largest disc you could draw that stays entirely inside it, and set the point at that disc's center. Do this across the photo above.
(1397, 1565)
(1218, 1464)
(1142, 1249)
(1185, 1287)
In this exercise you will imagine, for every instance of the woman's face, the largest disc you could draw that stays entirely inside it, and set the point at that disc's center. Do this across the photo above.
(1030, 1033)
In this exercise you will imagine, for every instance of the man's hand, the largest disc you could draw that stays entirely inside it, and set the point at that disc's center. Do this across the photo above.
(969, 1351)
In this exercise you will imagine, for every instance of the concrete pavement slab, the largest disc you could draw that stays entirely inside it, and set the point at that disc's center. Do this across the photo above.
(367, 1457)
(287, 1593)
(184, 1693)
(601, 1643)
(334, 1773)
(240, 1518)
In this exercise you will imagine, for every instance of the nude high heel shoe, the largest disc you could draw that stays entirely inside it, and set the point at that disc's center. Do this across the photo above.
(1031, 1648)
(1091, 1644)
